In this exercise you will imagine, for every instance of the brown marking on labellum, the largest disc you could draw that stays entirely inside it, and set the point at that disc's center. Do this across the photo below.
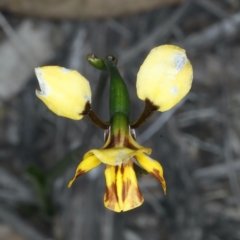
(129, 190)
(125, 189)
(122, 168)
(111, 196)
(139, 195)
(132, 193)
(116, 169)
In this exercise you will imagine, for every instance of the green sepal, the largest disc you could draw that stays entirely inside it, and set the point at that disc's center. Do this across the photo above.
(119, 98)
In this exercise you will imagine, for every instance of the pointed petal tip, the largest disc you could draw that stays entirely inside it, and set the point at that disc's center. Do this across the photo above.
(164, 188)
(153, 167)
(86, 165)
(71, 182)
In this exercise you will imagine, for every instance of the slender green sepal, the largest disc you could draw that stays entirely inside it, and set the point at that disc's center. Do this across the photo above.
(119, 98)
(96, 62)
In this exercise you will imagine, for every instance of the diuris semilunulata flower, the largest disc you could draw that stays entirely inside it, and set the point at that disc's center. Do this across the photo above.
(163, 80)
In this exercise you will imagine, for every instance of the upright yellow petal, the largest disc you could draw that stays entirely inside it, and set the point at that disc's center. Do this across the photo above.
(152, 167)
(86, 165)
(165, 77)
(65, 92)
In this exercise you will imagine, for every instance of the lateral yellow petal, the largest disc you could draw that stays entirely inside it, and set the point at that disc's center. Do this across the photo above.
(131, 195)
(86, 165)
(165, 77)
(65, 92)
(111, 200)
(152, 167)
(115, 156)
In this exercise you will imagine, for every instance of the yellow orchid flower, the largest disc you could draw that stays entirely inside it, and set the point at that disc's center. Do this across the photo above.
(119, 153)
(163, 80)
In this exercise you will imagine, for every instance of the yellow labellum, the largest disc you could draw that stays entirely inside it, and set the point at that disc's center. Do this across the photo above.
(122, 192)
(65, 92)
(165, 77)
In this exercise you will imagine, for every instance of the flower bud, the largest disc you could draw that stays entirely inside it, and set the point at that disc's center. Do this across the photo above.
(65, 92)
(165, 77)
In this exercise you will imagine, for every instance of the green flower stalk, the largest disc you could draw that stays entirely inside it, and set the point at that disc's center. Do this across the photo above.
(163, 80)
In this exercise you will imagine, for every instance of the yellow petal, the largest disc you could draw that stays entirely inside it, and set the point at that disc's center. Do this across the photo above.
(122, 192)
(111, 197)
(86, 165)
(152, 167)
(64, 91)
(131, 195)
(115, 156)
(165, 77)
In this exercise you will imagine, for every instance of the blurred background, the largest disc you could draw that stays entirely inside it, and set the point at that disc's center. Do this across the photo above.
(197, 142)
